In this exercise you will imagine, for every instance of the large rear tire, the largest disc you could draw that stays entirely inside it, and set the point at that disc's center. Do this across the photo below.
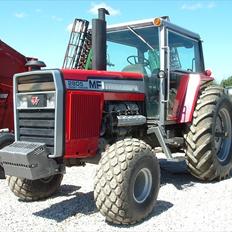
(209, 139)
(127, 182)
(33, 190)
(5, 139)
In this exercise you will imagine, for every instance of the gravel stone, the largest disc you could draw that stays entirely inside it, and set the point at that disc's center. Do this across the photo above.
(184, 204)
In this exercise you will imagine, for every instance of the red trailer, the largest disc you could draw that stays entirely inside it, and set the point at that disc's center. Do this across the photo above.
(11, 62)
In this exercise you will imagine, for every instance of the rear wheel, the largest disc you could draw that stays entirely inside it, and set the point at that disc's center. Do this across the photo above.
(209, 140)
(127, 182)
(32, 190)
(5, 139)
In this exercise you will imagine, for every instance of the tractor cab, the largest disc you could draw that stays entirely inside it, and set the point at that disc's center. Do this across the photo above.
(167, 56)
(164, 53)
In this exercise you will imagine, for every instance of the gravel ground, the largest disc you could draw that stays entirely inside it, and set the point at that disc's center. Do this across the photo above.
(184, 204)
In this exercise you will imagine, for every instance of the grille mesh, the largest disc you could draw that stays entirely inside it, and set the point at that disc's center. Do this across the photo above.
(85, 115)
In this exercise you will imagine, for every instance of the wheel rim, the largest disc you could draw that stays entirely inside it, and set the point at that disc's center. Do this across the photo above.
(142, 185)
(223, 136)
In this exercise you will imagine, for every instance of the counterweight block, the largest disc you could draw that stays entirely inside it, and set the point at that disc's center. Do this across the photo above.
(28, 160)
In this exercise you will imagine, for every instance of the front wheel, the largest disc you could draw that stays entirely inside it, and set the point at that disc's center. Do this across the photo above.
(5, 139)
(127, 182)
(33, 190)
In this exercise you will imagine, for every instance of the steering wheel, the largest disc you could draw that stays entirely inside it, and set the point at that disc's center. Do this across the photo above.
(136, 60)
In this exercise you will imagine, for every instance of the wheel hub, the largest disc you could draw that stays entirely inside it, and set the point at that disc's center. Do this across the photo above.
(222, 138)
(142, 185)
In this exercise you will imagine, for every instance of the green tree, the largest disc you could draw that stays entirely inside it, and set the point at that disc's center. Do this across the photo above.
(226, 82)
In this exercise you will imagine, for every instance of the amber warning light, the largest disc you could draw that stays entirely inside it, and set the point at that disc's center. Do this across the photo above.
(157, 21)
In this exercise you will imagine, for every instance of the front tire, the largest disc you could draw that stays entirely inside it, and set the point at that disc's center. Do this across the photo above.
(127, 182)
(33, 190)
(5, 139)
(209, 140)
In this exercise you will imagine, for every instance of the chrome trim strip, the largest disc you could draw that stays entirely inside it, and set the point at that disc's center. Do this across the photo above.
(59, 116)
(149, 22)
(163, 66)
(37, 92)
(15, 91)
(106, 85)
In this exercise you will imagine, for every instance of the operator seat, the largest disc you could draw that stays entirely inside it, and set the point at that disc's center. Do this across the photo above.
(154, 80)
(136, 68)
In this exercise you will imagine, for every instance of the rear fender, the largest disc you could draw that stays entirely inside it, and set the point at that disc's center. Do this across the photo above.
(187, 101)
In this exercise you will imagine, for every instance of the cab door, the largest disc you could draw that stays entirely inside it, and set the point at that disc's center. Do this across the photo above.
(184, 58)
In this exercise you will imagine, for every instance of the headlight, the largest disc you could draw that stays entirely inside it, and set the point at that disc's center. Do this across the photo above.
(21, 101)
(51, 100)
(40, 100)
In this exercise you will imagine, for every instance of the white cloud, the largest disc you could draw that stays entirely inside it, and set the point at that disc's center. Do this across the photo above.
(194, 6)
(94, 8)
(20, 15)
(211, 5)
(198, 5)
(38, 10)
(56, 18)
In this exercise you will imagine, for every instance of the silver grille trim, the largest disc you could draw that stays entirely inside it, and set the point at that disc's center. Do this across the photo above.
(29, 79)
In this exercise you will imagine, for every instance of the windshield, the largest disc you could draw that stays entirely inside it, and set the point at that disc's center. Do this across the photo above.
(137, 50)
(133, 50)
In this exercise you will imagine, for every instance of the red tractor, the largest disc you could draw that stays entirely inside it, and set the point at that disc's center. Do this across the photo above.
(11, 62)
(155, 92)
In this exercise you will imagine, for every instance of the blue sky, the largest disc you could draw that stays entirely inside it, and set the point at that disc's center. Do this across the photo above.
(40, 28)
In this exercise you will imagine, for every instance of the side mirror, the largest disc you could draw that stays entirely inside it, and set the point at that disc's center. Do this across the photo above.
(161, 74)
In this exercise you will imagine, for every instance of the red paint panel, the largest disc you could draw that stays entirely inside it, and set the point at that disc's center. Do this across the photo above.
(123, 96)
(11, 62)
(191, 95)
(81, 148)
(80, 74)
(85, 115)
(180, 97)
(6, 107)
(83, 122)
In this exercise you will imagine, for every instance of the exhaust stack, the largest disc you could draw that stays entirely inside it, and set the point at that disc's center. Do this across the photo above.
(99, 40)
(35, 65)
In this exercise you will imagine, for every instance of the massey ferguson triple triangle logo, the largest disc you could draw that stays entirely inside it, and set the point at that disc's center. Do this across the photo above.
(35, 100)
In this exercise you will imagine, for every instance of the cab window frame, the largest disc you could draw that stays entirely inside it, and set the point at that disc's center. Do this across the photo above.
(198, 52)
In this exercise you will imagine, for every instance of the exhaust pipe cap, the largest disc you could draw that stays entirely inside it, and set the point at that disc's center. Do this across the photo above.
(35, 65)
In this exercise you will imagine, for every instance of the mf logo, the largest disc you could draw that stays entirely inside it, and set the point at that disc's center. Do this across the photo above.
(35, 100)
(95, 84)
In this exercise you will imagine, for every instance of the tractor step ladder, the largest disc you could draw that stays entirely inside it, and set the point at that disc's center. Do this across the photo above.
(79, 46)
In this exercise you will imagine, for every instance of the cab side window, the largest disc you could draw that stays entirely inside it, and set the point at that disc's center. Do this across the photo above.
(184, 53)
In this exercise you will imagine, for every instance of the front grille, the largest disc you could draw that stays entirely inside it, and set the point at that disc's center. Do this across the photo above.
(37, 126)
(83, 107)
(37, 123)
(34, 83)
